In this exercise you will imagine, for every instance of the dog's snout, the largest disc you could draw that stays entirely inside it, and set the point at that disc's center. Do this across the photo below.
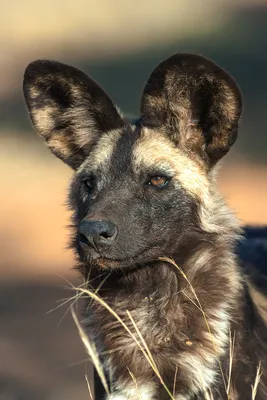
(97, 233)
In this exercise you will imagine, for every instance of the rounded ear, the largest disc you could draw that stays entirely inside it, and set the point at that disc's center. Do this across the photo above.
(194, 101)
(68, 109)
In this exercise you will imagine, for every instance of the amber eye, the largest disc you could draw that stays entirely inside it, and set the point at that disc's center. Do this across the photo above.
(158, 181)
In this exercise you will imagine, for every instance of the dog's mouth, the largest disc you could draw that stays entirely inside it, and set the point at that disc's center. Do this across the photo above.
(107, 263)
(129, 263)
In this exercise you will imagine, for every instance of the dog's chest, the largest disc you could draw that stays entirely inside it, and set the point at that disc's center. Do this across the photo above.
(148, 321)
(148, 318)
(155, 322)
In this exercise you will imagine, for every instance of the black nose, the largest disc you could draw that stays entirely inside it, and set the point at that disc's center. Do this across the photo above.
(97, 233)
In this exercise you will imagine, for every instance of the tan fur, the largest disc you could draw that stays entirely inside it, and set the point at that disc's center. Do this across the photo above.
(44, 120)
(233, 395)
(230, 102)
(154, 150)
(34, 92)
(85, 130)
(59, 141)
(102, 152)
(134, 392)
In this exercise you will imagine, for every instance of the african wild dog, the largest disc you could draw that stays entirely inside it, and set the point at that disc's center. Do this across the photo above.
(143, 190)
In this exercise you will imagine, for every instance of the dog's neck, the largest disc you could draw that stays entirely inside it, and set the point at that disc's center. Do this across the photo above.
(188, 306)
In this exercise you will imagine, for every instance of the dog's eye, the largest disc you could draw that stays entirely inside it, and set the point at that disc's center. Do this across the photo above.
(158, 181)
(89, 183)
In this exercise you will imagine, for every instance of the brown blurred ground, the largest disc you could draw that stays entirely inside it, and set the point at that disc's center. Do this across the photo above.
(118, 42)
(41, 356)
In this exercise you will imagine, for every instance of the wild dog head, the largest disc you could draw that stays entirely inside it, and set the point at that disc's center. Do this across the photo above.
(140, 189)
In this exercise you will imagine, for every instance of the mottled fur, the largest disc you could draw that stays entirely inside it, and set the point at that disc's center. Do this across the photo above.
(188, 311)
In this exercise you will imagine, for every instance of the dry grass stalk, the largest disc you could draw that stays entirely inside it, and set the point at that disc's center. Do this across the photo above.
(89, 387)
(91, 352)
(254, 388)
(174, 381)
(231, 357)
(135, 383)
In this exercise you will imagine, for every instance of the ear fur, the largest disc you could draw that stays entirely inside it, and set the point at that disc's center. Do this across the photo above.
(68, 109)
(194, 101)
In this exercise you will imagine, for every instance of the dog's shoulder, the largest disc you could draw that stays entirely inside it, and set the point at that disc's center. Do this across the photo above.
(252, 251)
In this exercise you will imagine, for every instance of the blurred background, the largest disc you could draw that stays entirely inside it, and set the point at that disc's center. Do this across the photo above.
(118, 43)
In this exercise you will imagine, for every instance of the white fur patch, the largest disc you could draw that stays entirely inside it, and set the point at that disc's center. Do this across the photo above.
(201, 370)
(144, 392)
(100, 156)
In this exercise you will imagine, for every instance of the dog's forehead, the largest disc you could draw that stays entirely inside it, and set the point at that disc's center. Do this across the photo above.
(153, 149)
(134, 146)
(113, 149)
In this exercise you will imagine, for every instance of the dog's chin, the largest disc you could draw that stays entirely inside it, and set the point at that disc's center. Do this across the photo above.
(127, 264)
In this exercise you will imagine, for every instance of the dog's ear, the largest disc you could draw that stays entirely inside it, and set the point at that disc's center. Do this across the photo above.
(68, 109)
(194, 101)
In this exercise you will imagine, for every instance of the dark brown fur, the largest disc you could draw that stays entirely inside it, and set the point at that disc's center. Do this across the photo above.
(194, 307)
